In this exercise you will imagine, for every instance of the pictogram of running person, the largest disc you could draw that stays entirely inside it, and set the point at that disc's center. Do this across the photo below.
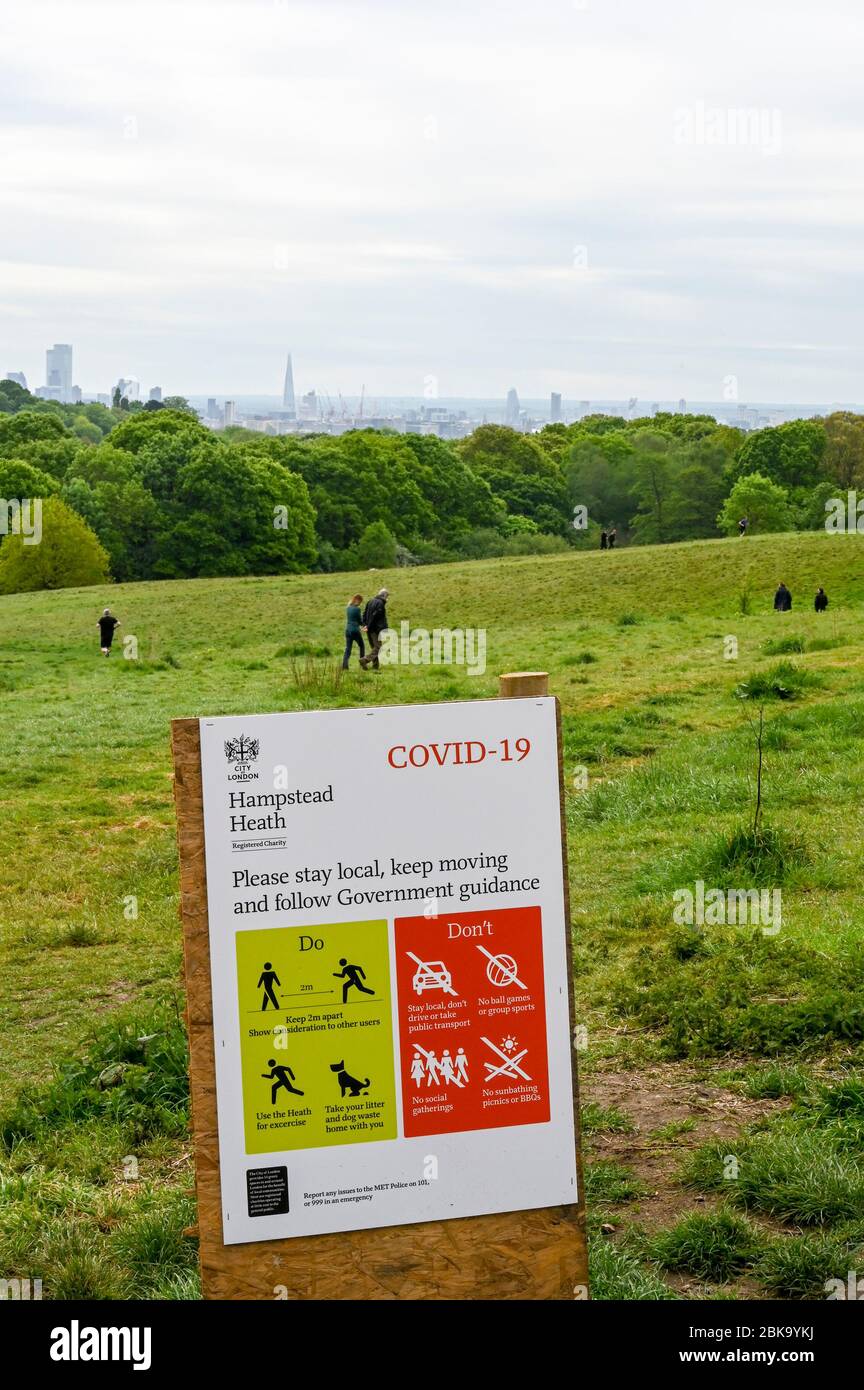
(352, 975)
(266, 982)
(279, 1075)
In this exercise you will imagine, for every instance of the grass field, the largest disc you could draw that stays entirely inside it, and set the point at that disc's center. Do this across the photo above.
(701, 1045)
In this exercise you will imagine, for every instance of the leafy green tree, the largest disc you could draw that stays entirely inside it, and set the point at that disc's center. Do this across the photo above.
(13, 397)
(358, 477)
(234, 512)
(19, 479)
(699, 487)
(789, 454)
(135, 433)
(654, 478)
(376, 548)
(521, 475)
(765, 504)
(458, 498)
(27, 427)
(844, 452)
(68, 555)
(601, 476)
(105, 488)
(84, 429)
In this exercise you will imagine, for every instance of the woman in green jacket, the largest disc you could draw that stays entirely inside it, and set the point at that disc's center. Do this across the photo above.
(353, 615)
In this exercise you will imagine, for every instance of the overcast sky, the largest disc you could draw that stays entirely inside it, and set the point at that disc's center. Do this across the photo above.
(452, 196)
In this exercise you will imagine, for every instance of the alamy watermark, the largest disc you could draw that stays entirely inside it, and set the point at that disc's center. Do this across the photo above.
(757, 127)
(21, 517)
(21, 1290)
(845, 515)
(851, 1288)
(718, 907)
(443, 646)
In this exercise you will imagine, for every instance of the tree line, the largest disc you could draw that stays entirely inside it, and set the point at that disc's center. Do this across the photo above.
(151, 493)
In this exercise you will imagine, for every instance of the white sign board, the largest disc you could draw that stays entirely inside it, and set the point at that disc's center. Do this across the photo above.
(389, 965)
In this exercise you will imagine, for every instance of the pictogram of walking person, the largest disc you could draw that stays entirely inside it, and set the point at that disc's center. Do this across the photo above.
(266, 982)
(280, 1077)
(352, 975)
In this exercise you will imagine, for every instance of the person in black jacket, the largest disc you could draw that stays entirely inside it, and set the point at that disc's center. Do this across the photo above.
(782, 599)
(107, 624)
(820, 602)
(375, 622)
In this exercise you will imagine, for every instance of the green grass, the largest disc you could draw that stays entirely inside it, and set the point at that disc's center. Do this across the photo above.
(634, 644)
(598, 1119)
(806, 1167)
(713, 1245)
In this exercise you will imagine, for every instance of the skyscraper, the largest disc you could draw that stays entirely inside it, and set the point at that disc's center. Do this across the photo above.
(155, 393)
(58, 370)
(555, 407)
(511, 414)
(228, 416)
(288, 403)
(18, 377)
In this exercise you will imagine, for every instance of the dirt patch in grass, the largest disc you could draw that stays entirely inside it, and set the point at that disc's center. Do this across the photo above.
(672, 1110)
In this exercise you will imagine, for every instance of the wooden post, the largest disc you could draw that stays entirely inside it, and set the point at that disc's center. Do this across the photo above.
(537, 1254)
(522, 683)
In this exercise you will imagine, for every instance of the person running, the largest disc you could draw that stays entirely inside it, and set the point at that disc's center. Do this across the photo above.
(604, 540)
(352, 975)
(107, 624)
(612, 537)
(353, 619)
(280, 1078)
(820, 602)
(782, 599)
(375, 622)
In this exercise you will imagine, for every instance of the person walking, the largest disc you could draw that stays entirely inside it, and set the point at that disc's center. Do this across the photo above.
(107, 624)
(820, 602)
(375, 622)
(742, 526)
(604, 540)
(353, 620)
(267, 980)
(612, 537)
(782, 599)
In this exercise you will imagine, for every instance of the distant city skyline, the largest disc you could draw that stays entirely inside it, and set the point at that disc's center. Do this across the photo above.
(59, 385)
(601, 200)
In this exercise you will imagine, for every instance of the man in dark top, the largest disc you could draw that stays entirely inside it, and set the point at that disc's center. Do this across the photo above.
(604, 540)
(782, 599)
(107, 624)
(375, 622)
(820, 603)
(612, 538)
